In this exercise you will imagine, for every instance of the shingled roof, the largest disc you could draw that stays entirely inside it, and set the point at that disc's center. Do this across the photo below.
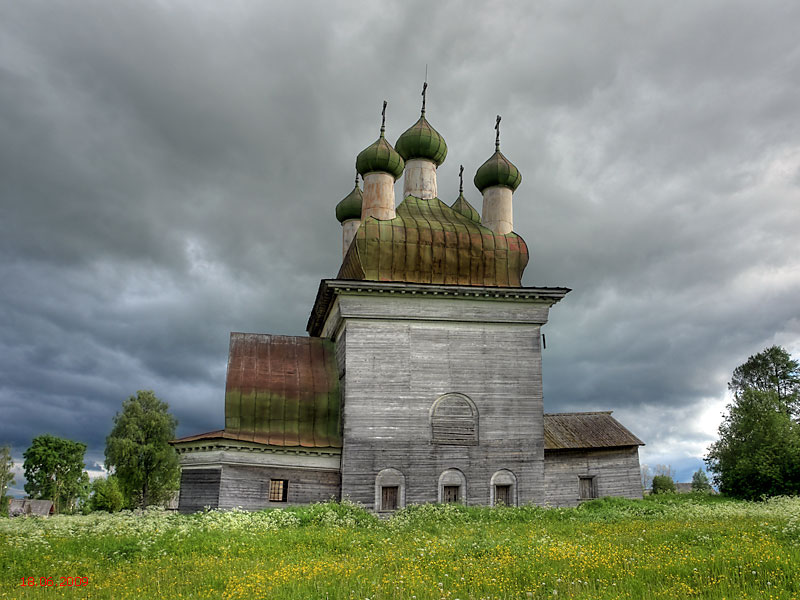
(282, 391)
(584, 430)
(430, 242)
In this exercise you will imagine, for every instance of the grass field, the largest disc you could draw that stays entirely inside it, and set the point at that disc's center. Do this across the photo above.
(660, 547)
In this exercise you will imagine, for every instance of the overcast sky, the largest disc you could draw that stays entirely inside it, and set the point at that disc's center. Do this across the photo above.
(169, 172)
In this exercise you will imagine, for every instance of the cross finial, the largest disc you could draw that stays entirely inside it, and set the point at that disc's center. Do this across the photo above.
(497, 137)
(356, 178)
(383, 118)
(460, 179)
(424, 89)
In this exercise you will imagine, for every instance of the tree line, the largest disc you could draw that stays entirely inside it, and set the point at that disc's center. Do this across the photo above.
(758, 450)
(757, 454)
(143, 467)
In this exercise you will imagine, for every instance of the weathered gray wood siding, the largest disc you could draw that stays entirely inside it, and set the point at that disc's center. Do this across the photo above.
(615, 472)
(248, 486)
(402, 353)
(199, 489)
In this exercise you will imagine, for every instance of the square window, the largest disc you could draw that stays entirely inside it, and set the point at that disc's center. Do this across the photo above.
(278, 490)
(389, 497)
(502, 495)
(451, 493)
(586, 488)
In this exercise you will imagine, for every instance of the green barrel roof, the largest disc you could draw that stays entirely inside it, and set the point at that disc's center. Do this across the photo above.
(498, 170)
(380, 157)
(422, 141)
(465, 208)
(429, 242)
(283, 391)
(350, 206)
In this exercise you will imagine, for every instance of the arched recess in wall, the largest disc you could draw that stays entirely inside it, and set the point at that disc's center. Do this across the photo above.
(390, 490)
(503, 488)
(454, 420)
(452, 486)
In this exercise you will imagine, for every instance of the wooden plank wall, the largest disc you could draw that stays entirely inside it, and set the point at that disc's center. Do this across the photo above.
(199, 489)
(616, 473)
(396, 369)
(248, 486)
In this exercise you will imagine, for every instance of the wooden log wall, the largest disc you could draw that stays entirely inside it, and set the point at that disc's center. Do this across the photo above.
(403, 353)
(248, 486)
(615, 472)
(199, 489)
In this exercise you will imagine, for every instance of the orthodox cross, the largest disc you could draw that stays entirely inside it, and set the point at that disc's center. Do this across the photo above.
(461, 179)
(497, 137)
(383, 117)
(424, 87)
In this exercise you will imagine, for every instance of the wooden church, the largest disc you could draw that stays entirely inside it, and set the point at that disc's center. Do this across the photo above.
(420, 379)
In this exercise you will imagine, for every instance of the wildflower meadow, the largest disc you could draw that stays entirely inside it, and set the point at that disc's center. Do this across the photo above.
(660, 547)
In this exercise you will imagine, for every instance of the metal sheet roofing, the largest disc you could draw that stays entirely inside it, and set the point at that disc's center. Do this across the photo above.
(578, 430)
(282, 391)
(430, 242)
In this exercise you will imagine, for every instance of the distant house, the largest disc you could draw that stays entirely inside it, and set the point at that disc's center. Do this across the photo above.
(596, 450)
(18, 507)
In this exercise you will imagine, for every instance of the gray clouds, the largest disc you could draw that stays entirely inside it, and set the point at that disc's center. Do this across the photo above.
(169, 171)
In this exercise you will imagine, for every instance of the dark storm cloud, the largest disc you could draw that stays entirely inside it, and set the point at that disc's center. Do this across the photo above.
(168, 173)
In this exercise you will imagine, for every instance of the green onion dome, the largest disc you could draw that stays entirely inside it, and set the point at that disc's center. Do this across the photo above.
(498, 170)
(422, 141)
(350, 206)
(462, 206)
(381, 157)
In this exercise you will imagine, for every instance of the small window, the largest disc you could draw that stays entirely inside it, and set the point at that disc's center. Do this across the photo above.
(390, 490)
(278, 490)
(502, 495)
(389, 497)
(452, 493)
(586, 488)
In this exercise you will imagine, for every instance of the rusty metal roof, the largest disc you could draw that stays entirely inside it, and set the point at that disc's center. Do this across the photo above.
(282, 391)
(577, 430)
(430, 242)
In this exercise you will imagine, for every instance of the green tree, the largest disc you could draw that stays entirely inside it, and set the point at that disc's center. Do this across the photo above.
(700, 482)
(106, 495)
(6, 477)
(758, 451)
(138, 450)
(54, 470)
(772, 370)
(663, 484)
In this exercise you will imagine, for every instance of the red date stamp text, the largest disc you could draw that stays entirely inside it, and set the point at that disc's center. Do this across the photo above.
(54, 582)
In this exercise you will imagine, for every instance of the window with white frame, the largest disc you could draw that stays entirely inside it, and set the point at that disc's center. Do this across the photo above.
(452, 486)
(390, 490)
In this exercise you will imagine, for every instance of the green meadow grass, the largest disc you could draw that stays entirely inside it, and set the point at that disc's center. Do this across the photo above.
(660, 547)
